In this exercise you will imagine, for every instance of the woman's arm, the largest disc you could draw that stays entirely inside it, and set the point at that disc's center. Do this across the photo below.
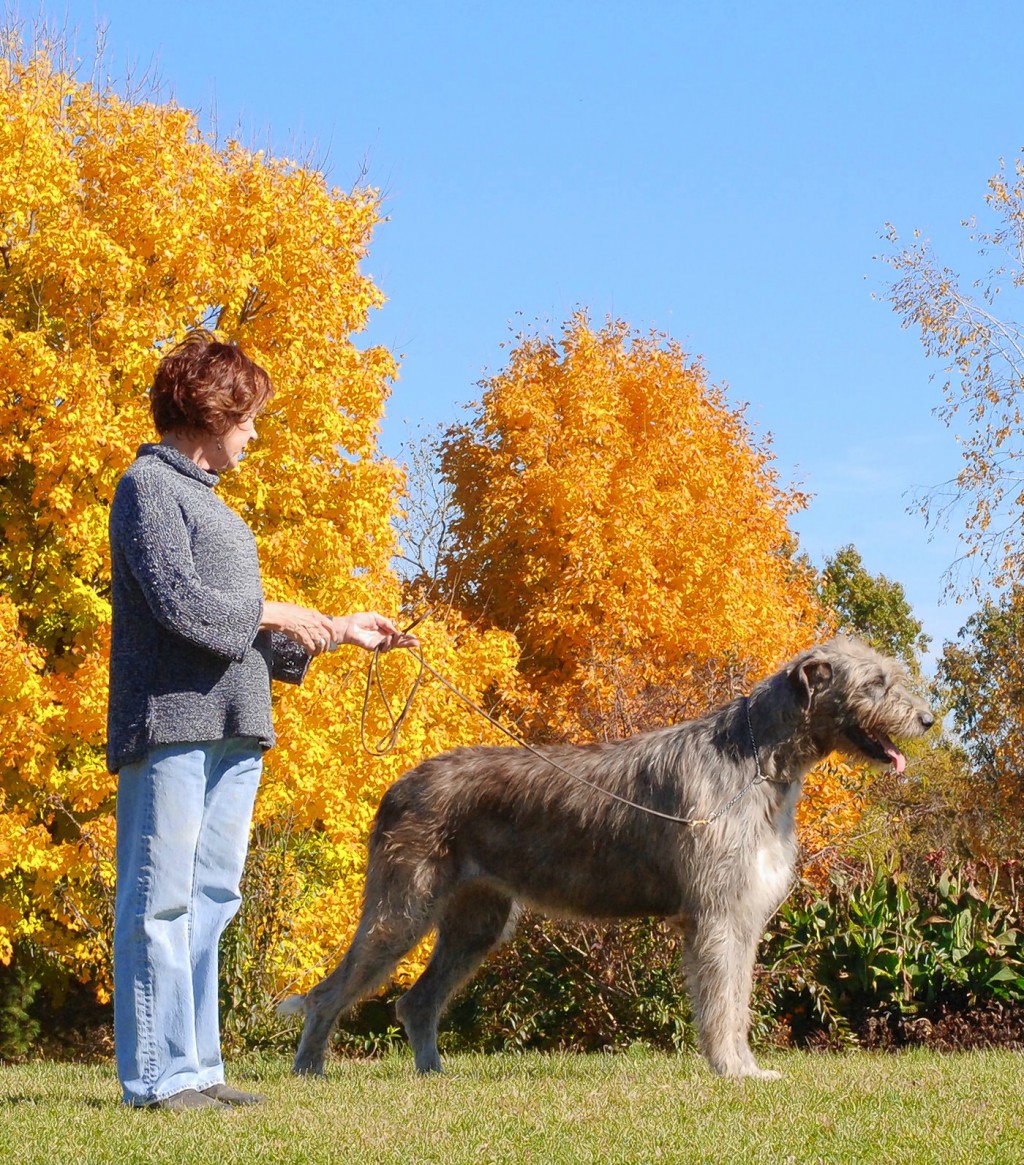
(369, 630)
(148, 531)
(290, 655)
(311, 630)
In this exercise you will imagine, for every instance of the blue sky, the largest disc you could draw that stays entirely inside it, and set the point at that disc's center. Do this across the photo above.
(719, 171)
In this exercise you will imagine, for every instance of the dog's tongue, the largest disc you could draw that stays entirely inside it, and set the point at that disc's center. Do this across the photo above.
(899, 761)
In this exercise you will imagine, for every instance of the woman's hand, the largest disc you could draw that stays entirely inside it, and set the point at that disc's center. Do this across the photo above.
(314, 632)
(369, 630)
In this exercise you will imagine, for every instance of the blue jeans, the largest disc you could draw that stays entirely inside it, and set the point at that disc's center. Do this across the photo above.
(183, 817)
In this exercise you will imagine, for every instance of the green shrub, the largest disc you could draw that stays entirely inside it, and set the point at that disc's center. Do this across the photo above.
(579, 986)
(872, 945)
(19, 1025)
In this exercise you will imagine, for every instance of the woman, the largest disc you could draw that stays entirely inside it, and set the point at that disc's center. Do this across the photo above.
(194, 647)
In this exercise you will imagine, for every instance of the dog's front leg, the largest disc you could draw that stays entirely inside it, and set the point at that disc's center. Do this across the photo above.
(718, 959)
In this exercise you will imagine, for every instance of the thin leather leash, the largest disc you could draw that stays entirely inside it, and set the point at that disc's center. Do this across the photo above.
(390, 738)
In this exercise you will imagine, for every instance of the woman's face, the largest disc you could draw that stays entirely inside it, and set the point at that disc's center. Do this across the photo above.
(230, 448)
(209, 451)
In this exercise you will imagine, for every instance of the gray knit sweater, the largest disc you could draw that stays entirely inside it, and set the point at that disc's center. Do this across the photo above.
(187, 661)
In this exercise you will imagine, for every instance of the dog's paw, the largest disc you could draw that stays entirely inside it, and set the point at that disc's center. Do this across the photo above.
(747, 1070)
(753, 1072)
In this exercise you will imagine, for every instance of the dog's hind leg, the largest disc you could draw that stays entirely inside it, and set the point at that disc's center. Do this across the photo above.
(397, 913)
(367, 965)
(474, 921)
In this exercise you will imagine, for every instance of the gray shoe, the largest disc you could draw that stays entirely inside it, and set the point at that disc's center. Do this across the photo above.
(188, 1100)
(225, 1094)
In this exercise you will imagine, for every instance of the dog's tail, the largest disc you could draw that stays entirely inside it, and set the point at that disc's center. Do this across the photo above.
(292, 1005)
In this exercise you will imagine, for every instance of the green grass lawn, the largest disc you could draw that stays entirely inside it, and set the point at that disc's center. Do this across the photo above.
(635, 1107)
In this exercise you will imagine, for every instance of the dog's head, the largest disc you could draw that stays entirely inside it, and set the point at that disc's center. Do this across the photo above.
(857, 701)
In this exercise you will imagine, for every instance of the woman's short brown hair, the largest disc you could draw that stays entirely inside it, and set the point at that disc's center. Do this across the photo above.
(202, 384)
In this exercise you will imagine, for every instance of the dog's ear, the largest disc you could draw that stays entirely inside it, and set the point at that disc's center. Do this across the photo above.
(809, 676)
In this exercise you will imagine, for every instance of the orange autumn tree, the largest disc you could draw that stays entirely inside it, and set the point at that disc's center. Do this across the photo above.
(618, 515)
(121, 225)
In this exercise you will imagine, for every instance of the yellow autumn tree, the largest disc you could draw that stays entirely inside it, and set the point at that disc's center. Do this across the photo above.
(619, 516)
(122, 224)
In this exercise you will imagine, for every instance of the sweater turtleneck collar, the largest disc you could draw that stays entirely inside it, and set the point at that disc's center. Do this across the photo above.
(180, 462)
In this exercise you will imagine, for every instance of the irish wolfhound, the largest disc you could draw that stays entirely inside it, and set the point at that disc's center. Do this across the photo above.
(460, 841)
